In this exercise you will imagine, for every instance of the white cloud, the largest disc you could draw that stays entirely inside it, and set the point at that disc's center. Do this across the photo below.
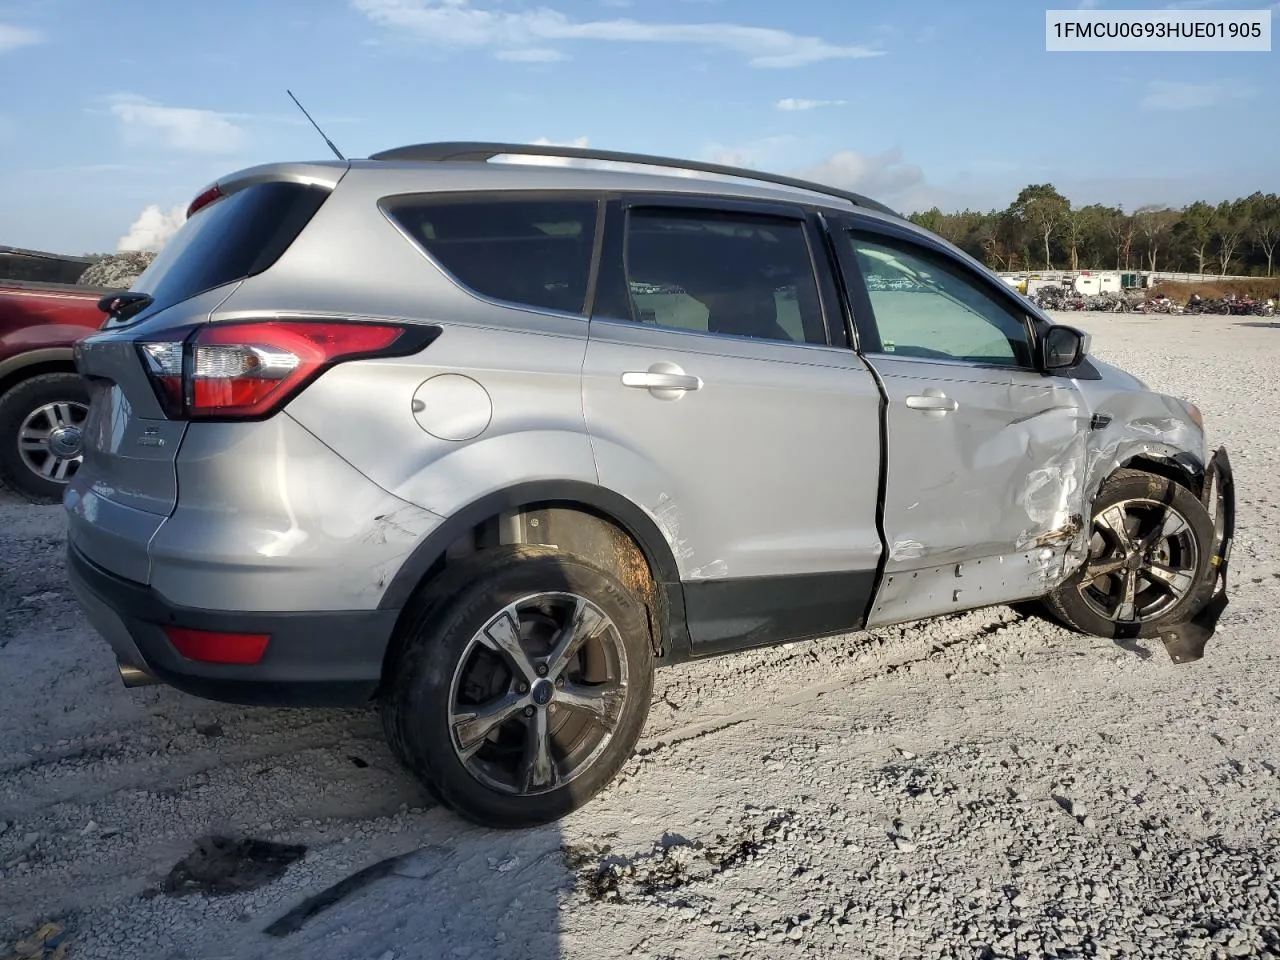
(152, 229)
(182, 128)
(799, 103)
(1180, 95)
(457, 23)
(880, 176)
(11, 37)
(531, 55)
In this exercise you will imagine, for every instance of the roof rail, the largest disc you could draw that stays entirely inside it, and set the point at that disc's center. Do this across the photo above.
(464, 152)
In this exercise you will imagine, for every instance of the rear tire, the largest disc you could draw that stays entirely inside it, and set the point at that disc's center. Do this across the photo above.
(521, 686)
(40, 445)
(1155, 573)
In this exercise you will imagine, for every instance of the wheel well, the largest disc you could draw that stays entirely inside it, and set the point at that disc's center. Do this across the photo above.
(572, 528)
(1173, 470)
(11, 380)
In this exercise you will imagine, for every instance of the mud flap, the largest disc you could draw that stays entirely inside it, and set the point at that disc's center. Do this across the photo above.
(1185, 641)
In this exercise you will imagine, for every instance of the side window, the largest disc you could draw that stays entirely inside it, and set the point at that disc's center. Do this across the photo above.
(724, 273)
(926, 308)
(534, 252)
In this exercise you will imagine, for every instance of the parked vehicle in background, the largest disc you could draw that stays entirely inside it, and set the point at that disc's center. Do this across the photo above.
(43, 402)
(486, 442)
(47, 303)
(39, 266)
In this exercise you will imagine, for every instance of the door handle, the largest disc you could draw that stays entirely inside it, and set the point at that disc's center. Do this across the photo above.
(663, 380)
(660, 381)
(933, 403)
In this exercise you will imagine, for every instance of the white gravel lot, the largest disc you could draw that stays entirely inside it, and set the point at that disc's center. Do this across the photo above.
(984, 785)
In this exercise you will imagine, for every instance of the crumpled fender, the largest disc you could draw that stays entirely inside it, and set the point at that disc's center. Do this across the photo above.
(1185, 641)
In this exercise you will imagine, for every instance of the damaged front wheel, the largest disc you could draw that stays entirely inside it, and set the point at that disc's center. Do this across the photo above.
(1149, 564)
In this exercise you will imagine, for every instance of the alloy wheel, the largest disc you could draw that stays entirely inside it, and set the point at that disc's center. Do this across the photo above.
(538, 693)
(1142, 561)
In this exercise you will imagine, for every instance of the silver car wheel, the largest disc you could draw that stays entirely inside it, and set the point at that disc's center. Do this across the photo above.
(538, 693)
(1142, 562)
(49, 440)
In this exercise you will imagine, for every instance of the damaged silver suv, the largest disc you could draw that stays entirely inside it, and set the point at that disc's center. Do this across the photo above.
(485, 442)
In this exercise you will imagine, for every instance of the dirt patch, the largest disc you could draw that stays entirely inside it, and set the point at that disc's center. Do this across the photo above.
(219, 866)
(673, 862)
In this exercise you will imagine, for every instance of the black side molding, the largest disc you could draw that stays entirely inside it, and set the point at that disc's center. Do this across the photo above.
(742, 613)
(565, 493)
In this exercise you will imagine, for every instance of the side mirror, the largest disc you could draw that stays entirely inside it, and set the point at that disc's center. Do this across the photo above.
(1063, 348)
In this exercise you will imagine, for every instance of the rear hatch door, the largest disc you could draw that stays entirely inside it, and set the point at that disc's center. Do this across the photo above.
(127, 485)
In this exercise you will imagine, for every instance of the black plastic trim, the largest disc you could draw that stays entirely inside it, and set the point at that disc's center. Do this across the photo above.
(313, 658)
(747, 612)
(857, 299)
(565, 493)
(1185, 642)
(839, 313)
(597, 245)
(612, 296)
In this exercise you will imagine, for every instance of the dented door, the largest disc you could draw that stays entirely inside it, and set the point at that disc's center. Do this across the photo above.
(984, 455)
(980, 500)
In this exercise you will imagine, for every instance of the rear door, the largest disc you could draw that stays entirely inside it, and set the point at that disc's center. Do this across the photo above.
(721, 394)
(985, 455)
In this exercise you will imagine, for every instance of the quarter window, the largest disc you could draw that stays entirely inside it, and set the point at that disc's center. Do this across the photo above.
(534, 252)
(926, 309)
(722, 273)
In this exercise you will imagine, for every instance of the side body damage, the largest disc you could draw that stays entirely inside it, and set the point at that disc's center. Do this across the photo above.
(1063, 438)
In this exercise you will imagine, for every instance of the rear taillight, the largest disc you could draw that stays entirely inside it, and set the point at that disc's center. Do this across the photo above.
(247, 370)
(164, 366)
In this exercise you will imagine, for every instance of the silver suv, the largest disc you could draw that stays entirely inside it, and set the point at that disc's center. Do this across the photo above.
(486, 442)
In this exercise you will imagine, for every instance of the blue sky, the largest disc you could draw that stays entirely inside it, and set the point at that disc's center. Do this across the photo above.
(112, 107)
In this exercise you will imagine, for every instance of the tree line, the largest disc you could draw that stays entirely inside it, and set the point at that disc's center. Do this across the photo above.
(1041, 229)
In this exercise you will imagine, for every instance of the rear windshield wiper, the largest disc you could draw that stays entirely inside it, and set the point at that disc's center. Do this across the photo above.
(122, 306)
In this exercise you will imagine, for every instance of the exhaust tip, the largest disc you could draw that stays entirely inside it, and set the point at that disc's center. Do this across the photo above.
(132, 677)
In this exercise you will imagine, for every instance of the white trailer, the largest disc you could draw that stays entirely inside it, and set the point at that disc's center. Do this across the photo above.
(1088, 284)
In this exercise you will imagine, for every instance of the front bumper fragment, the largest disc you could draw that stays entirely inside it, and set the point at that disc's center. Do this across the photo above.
(1185, 641)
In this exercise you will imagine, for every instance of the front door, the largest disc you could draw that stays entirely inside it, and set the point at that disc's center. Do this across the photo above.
(716, 398)
(985, 455)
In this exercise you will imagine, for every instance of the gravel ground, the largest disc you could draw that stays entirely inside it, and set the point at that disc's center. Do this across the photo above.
(982, 785)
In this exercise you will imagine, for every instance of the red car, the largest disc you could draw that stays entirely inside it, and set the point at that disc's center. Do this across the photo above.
(43, 402)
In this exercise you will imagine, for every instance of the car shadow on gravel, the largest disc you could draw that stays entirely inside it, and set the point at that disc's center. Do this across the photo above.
(145, 822)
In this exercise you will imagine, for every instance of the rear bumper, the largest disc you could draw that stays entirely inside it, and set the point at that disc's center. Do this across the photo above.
(312, 659)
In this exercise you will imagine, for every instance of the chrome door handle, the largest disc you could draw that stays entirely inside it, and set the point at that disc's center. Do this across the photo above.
(660, 381)
(933, 402)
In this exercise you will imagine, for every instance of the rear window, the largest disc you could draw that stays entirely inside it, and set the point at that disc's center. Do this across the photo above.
(236, 237)
(533, 252)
